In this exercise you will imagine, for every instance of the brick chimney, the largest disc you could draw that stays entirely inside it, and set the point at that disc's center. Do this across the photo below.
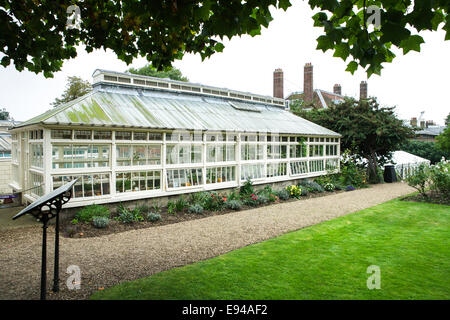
(308, 90)
(278, 91)
(413, 122)
(363, 90)
(337, 89)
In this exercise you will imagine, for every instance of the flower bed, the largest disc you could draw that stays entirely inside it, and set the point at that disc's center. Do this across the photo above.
(196, 206)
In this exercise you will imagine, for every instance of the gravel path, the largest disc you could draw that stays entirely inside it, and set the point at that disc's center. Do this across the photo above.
(109, 260)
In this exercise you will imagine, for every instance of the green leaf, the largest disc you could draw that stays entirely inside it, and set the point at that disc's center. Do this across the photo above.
(411, 43)
(219, 47)
(284, 4)
(352, 66)
(324, 43)
(342, 50)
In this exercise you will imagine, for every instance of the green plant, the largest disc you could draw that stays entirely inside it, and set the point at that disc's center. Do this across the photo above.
(440, 178)
(195, 208)
(233, 204)
(152, 216)
(233, 195)
(180, 204)
(171, 207)
(74, 221)
(311, 186)
(89, 212)
(294, 191)
(262, 198)
(127, 215)
(251, 200)
(155, 207)
(419, 179)
(214, 201)
(100, 222)
(247, 188)
(329, 187)
(197, 197)
(283, 194)
(273, 197)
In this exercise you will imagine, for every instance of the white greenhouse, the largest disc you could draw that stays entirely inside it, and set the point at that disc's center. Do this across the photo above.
(136, 137)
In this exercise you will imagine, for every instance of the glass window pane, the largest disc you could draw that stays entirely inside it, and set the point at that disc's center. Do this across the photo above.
(82, 134)
(154, 136)
(61, 134)
(154, 154)
(139, 135)
(123, 135)
(102, 135)
(123, 155)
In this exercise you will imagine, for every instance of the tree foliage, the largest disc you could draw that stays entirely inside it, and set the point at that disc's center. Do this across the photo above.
(368, 130)
(75, 88)
(149, 70)
(443, 140)
(425, 149)
(4, 115)
(34, 34)
(347, 32)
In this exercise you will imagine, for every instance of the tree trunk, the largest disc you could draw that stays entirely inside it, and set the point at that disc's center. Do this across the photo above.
(373, 164)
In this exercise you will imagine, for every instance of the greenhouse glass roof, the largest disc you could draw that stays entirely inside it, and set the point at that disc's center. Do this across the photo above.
(126, 105)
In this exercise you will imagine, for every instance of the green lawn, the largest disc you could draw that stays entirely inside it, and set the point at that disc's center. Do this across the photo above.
(410, 242)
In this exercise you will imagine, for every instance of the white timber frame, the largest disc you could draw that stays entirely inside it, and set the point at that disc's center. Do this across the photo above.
(267, 157)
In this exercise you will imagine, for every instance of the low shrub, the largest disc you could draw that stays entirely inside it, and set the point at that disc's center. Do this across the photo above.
(262, 199)
(233, 204)
(180, 204)
(89, 212)
(198, 198)
(171, 207)
(195, 208)
(419, 179)
(247, 188)
(100, 222)
(305, 192)
(294, 191)
(283, 194)
(311, 186)
(251, 200)
(440, 178)
(152, 216)
(233, 195)
(214, 201)
(127, 215)
(74, 221)
(329, 187)
(273, 197)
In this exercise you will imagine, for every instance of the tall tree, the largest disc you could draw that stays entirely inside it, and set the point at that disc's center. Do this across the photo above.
(4, 115)
(40, 35)
(368, 130)
(149, 70)
(443, 140)
(75, 88)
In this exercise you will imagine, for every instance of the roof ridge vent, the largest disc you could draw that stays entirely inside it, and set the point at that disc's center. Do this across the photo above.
(139, 81)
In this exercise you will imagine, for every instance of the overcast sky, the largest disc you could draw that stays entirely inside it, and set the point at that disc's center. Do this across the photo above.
(414, 83)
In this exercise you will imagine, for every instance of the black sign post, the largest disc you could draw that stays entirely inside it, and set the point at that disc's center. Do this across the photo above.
(44, 209)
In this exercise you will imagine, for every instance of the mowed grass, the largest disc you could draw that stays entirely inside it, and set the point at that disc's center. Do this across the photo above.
(410, 242)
